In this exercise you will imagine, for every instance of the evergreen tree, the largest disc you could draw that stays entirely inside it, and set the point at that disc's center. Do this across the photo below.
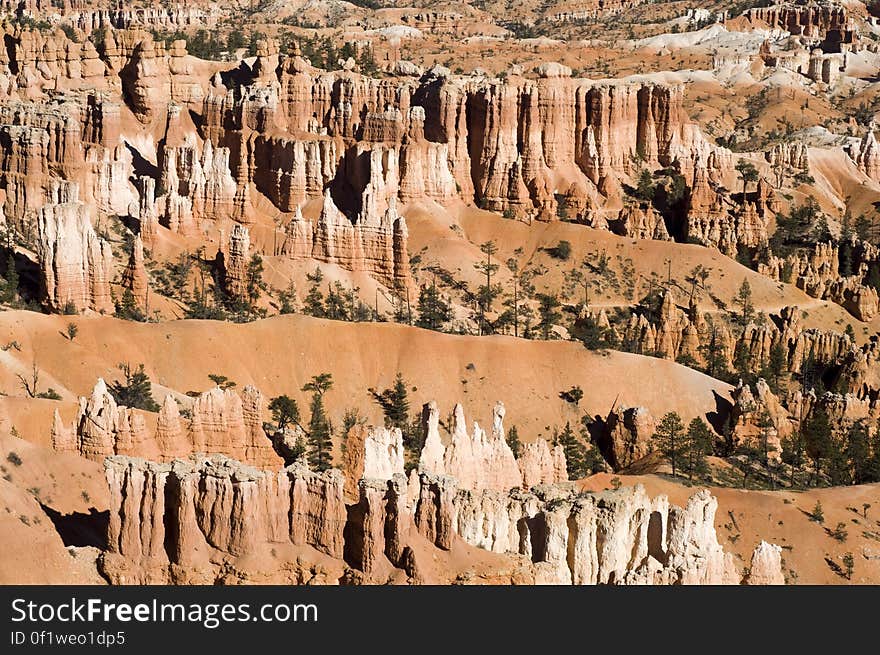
(320, 433)
(313, 304)
(128, 308)
(669, 439)
(645, 186)
(513, 441)
(748, 457)
(817, 440)
(589, 332)
(288, 300)
(402, 309)
(394, 403)
(285, 411)
(849, 564)
(743, 298)
(548, 311)
(337, 304)
(593, 460)
(255, 284)
(793, 449)
(777, 364)
(487, 292)
(576, 453)
(396, 408)
(748, 173)
(350, 419)
(838, 465)
(517, 311)
(9, 290)
(858, 452)
(872, 470)
(765, 424)
(742, 363)
(697, 446)
(715, 356)
(135, 390)
(863, 227)
(561, 250)
(432, 312)
(845, 246)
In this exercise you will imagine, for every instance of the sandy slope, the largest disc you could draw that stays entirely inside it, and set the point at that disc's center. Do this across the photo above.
(280, 354)
(649, 260)
(34, 551)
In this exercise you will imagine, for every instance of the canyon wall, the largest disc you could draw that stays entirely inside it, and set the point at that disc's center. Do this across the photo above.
(211, 518)
(168, 520)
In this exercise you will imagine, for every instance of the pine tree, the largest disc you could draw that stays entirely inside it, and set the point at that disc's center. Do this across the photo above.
(136, 389)
(285, 411)
(872, 471)
(255, 284)
(793, 448)
(351, 418)
(742, 363)
(513, 441)
(433, 312)
(313, 304)
(845, 246)
(517, 311)
(698, 446)
(288, 300)
(9, 290)
(863, 227)
(849, 564)
(398, 409)
(748, 173)
(645, 186)
(576, 453)
(765, 424)
(669, 439)
(320, 434)
(748, 456)
(715, 356)
(743, 298)
(548, 310)
(777, 363)
(487, 292)
(838, 465)
(128, 308)
(395, 403)
(817, 440)
(858, 452)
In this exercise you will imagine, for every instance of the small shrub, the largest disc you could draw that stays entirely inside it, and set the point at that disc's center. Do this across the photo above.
(849, 564)
(573, 395)
(561, 250)
(221, 381)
